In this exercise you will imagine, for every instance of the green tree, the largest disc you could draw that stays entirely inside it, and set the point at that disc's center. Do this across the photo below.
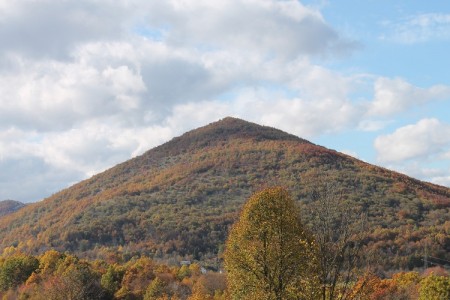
(111, 280)
(155, 290)
(435, 287)
(183, 272)
(16, 269)
(269, 253)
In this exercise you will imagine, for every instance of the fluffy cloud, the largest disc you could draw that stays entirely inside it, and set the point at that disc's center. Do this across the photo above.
(51, 29)
(101, 66)
(441, 180)
(420, 150)
(53, 96)
(271, 107)
(427, 138)
(289, 28)
(396, 95)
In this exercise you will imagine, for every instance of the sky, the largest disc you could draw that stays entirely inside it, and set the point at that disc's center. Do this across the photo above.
(87, 84)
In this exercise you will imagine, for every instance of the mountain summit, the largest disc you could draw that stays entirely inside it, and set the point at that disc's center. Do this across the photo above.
(233, 128)
(9, 206)
(225, 130)
(180, 198)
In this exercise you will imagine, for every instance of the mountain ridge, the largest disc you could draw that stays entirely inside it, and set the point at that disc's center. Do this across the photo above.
(180, 198)
(9, 206)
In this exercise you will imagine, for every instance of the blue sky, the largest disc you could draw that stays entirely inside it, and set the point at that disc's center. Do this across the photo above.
(87, 84)
(399, 39)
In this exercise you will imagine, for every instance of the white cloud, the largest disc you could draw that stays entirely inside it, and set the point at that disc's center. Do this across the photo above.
(52, 96)
(302, 117)
(50, 29)
(142, 79)
(397, 95)
(441, 180)
(289, 28)
(94, 146)
(425, 139)
(419, 28)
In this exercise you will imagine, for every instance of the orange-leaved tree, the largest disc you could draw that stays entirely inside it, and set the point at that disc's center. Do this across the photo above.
(269, 253)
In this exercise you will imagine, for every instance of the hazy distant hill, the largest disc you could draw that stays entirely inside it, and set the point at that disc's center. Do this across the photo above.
(9, 206)
(181, 197)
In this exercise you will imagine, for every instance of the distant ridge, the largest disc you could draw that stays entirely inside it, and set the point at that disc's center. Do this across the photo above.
(179, 199)
(9, 206)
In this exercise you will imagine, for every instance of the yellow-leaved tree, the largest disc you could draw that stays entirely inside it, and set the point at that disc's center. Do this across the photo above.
(269, 253)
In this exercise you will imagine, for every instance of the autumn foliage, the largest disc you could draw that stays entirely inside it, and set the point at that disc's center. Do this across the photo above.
(269, 253)
(54, 275)
(181, 198)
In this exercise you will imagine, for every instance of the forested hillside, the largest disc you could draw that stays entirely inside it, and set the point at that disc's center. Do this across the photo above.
(179, 199)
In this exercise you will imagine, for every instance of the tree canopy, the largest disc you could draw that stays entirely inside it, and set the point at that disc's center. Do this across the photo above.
(269, 253)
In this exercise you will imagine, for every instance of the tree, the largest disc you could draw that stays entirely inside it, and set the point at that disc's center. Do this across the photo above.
(77, 282)
(435, 287)
(338, 229)
(48, 262)
(269, 253)
(136, 279)
(111, 280)
(156, 289)
(183, 272)
(208, 287)
(16, 269)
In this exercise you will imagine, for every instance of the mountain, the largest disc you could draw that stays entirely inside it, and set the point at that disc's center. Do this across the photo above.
(180, 198)
(9, 206)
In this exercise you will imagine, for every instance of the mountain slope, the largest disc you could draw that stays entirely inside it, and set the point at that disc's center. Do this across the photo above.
(179, 198)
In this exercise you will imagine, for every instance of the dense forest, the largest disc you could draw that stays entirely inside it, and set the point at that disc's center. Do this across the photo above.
(54, 275)
(179, 200)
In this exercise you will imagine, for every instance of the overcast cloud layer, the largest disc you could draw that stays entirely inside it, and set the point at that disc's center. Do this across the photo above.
(86, 84)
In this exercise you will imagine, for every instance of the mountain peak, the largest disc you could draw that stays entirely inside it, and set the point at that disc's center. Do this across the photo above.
(9, 206)
(231, 127)
(224, 130)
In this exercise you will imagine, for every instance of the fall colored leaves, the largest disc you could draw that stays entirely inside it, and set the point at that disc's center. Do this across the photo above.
(269, 254)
